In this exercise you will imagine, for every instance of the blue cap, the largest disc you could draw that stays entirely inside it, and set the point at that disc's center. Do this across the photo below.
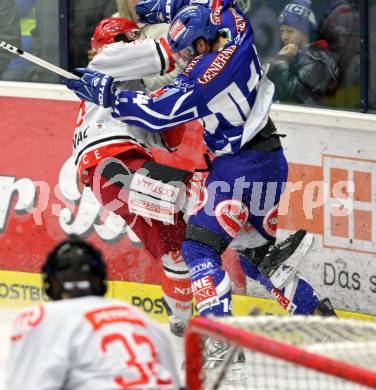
(298, 14)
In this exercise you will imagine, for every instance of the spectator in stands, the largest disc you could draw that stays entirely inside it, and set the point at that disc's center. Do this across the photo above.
(303, 71)
(83, 17)
(340, 28)
(38, 20)
(9, 30)
(45, 41)
(372, 73)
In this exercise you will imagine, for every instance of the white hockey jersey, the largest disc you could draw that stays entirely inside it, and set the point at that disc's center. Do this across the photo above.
(88, 343)
(98, 135)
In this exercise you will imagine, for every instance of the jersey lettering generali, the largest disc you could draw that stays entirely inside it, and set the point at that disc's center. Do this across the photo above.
(227, 90)
(88, 343)
(98, 135)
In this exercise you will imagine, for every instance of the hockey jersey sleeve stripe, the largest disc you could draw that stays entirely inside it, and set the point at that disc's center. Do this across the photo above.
(161, 57)
(108, 139)
(156, 114)
(167, 49)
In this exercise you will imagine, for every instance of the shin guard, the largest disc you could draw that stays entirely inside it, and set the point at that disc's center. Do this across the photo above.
(176, 286)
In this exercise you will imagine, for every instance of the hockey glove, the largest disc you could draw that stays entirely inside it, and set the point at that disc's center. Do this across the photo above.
(158, 11)
(93, 86)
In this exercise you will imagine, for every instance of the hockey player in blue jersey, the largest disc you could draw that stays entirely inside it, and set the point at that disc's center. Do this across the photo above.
(225, 86)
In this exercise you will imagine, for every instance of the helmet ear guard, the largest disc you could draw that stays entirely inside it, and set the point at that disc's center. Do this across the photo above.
(76, 268)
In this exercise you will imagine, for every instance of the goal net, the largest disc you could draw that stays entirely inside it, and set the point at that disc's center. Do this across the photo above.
(282, 352)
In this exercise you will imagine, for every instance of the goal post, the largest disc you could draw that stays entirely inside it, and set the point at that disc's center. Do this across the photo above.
(288, 352)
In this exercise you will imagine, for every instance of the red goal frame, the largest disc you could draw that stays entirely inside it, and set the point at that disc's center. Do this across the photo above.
(202, 326)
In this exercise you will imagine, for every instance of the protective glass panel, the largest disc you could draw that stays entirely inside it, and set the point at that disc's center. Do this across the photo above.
(372, 59)
(83, 17)
(313, 49)
(32, 25)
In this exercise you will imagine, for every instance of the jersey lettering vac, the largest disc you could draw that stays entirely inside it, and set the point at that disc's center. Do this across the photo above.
(98, 135)
(228, 103)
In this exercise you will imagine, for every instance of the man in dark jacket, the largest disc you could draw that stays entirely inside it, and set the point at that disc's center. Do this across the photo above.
(9, 30)
(303, 71)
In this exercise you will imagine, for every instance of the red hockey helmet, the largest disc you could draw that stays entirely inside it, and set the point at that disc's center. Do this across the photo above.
(112, 30)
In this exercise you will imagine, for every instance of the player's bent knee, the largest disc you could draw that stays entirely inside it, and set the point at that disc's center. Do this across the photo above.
(193, 250)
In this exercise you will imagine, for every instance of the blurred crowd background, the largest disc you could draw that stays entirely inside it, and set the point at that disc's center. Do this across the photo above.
(332, 66)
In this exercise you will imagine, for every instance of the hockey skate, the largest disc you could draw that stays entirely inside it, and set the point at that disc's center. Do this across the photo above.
(325, 309)
(216, 351)
(282, 259)
(177, 326)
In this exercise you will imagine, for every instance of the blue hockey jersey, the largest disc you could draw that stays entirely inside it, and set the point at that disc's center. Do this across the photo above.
(225, 89)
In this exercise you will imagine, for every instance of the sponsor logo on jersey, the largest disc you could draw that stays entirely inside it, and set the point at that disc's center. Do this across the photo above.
(217, 65)
(182, 85)
(270, 221)
(215, 16)
(79, 136)
(191, 64)
(181, 291)
(232, 215)
(238, 20)
(283, 301)
(158, 92)
(182, 306)
(112, 314)
(154, 188)
(201, 267)
(205, 293)
(176, 30)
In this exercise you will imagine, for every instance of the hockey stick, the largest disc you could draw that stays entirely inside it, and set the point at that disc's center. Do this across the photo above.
(38, 61)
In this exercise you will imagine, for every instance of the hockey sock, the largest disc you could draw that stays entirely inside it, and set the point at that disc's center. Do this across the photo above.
(176, 286)
(211, 285)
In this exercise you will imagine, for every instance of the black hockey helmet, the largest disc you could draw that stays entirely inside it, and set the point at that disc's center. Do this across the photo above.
(76, 268)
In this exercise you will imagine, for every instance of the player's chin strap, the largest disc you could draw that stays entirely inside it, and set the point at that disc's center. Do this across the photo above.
(280, 262)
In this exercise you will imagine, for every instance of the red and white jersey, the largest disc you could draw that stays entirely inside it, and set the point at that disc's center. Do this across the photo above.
(88, 343)
(98, 135)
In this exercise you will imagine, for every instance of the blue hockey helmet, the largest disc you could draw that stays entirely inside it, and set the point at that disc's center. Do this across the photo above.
(190, 23)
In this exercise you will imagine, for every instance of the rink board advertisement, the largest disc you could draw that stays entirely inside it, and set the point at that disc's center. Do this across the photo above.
(331, 192)
(20, 289)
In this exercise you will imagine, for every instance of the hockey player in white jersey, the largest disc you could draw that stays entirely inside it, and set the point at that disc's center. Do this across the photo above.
(82, 340)
(116, 150)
